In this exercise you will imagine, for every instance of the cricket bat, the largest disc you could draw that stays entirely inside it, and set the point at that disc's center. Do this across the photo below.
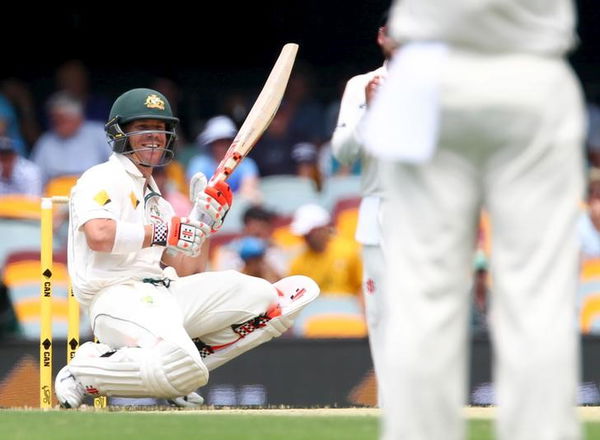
(261, 114)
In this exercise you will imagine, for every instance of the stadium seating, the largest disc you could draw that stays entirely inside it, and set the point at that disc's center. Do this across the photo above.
(331, 316)
(21, 275)
(19, 223)
(335, 325)
(283, 194)
(336, 188)
(60, 185)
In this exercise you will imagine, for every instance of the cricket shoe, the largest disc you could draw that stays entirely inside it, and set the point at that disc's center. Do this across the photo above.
(69, 391)
(192, 400)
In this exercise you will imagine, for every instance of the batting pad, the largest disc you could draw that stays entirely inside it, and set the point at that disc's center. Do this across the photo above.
(295, 293)
(164, 370)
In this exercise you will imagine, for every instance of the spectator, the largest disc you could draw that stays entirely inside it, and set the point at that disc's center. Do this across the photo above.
(301, 118)
(9, 125)
(273, 151)
(17, 174)
(332, 261)
(72, 145)
(306, 115)
(258, 223)
(305, 154)
(236, 105)
(252, 251)
(215, 140)
(21, 97)
(73, 77)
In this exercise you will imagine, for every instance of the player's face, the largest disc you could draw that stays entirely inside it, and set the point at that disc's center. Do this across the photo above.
(149, 145)
(387, 44)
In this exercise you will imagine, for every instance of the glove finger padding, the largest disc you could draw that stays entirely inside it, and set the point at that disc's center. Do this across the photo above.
(197, 184)
(187, 235)
(221, 192)
(214, 204)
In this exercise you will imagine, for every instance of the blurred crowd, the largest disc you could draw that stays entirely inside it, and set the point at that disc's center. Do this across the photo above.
(295, 206)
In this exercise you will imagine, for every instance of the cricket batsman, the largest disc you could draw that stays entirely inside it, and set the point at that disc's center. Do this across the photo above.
(135, 268)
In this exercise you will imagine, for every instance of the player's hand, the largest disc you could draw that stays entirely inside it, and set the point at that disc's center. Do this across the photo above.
(372, 87)
(181, 234)
(211, 203)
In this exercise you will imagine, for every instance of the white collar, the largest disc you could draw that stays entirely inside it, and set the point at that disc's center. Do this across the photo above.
(130, 167)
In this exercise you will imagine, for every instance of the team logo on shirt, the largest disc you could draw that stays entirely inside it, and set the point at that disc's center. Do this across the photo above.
(102, 198)
(153, 211)
(134, 201)
(154, 101)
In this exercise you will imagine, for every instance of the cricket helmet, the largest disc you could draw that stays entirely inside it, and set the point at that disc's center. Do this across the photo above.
(139, 104)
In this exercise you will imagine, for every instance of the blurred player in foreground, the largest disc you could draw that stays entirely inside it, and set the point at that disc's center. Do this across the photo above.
(134, 266)
(480, 108)
(347, 148)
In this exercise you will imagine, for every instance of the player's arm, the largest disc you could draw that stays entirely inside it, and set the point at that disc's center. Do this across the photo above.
(345, 142)
(100, 234)
(179, 234)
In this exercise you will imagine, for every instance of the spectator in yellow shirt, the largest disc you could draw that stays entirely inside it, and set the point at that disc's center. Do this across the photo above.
(332, 261)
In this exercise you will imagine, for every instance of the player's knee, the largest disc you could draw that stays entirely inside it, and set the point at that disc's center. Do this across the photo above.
(259, 291)
(179, 372)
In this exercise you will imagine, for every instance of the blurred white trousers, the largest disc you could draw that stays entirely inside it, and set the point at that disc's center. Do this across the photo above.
(375, 309)
(511, 141)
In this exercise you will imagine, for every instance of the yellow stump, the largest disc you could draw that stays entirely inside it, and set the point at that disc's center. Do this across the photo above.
(73, 325)
(46, 305)
(46, 260)
(100, 401)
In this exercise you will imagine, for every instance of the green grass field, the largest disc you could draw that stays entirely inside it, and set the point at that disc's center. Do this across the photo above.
(208, 425)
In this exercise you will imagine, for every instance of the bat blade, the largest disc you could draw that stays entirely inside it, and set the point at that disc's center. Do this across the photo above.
(261, 114)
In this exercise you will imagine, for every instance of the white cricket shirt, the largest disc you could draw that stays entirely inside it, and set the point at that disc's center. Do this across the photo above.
(545, 27)
(116, 190)
(346, 145)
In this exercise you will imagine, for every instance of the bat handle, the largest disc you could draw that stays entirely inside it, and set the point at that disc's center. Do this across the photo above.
(219, 176)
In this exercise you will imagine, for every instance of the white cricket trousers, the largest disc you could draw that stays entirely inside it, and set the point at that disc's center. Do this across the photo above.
(374, 295)
(511, 136)
(144, 315)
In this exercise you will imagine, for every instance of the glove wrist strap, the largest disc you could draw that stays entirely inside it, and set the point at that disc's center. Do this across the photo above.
(159, 234)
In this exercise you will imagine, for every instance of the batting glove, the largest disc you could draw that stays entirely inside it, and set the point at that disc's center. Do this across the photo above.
(181, 234)
(211, 203)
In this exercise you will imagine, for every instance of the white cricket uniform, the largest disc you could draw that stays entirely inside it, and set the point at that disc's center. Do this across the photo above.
(509, 138)
(125, 311)
(347, 148)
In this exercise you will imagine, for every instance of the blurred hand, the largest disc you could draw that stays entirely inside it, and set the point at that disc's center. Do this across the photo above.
(372, 87)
